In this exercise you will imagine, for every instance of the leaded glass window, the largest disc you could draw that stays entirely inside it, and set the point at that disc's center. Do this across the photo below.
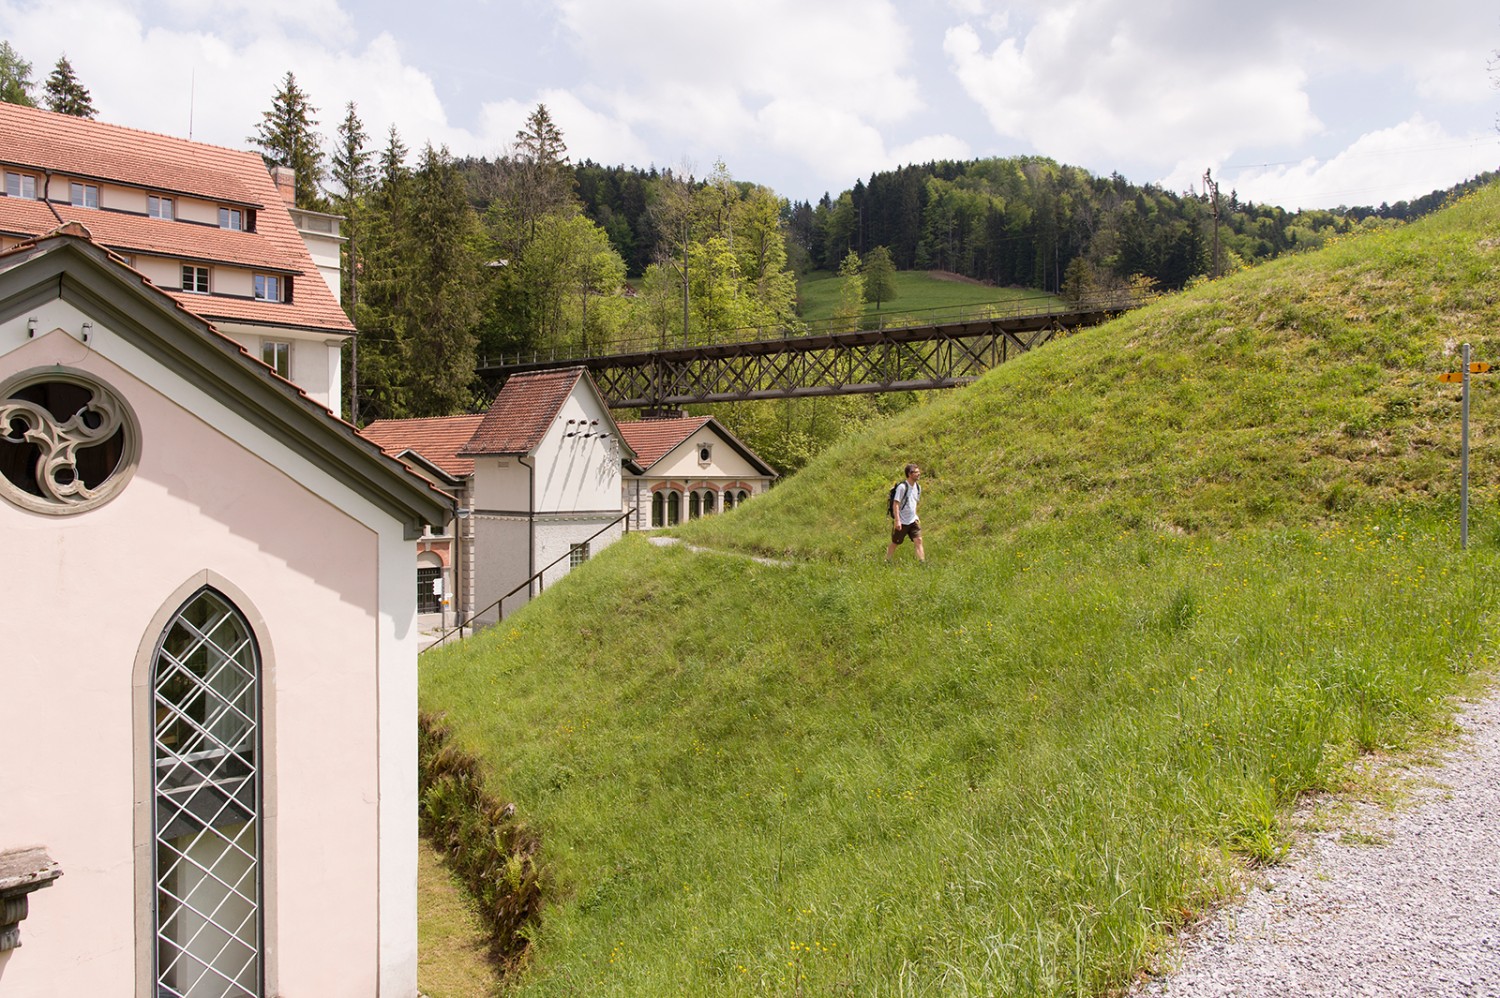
(206, 818)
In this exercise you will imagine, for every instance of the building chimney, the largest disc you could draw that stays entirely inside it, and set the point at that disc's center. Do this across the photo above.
(286, 182)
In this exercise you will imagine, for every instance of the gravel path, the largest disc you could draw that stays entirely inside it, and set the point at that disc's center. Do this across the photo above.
(1401, 903)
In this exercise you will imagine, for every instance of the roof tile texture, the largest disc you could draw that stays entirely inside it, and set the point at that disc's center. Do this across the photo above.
(39, 140)
(438, 439)
(652, 439)
(522, 412)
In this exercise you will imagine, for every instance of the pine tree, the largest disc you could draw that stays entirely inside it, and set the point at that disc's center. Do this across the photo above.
(286, 137)
(15, 77)
(384, 277)
(65, 94)
(441, 303)
(353, 173)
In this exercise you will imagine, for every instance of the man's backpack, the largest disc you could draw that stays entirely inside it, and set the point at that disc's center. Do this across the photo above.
(890, 498)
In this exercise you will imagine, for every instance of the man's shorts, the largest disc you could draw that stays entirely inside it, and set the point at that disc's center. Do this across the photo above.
(912, 530)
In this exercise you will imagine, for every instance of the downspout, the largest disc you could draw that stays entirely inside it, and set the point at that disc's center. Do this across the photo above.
(530, 525)
(47, 196)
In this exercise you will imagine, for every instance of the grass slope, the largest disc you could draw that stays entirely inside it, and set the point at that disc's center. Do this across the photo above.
(1185, 566)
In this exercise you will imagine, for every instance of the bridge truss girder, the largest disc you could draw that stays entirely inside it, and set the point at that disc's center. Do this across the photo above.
(938, 356)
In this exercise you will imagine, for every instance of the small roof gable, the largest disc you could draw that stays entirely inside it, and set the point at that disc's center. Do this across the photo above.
(68, 265)
(522, 412)
(654, 439)
(437, 440)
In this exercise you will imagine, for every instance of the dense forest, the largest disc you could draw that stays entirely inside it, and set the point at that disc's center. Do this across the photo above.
(450, 261)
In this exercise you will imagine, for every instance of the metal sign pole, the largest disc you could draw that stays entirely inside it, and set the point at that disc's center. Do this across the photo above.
(1463, 489)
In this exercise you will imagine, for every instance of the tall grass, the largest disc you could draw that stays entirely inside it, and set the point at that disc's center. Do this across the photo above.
(1183, 569)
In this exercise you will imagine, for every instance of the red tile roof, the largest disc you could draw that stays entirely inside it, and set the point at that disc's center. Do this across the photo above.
(652, 439)
(77, 147)
(522, 412)
(438, 439)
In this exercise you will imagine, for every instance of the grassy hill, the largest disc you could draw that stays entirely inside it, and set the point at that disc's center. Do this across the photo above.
(1184, 567)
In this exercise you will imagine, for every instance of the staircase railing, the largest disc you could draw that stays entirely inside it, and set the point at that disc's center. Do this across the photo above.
(535, 577)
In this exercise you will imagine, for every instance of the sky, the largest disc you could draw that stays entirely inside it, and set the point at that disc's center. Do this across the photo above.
(1301, 103)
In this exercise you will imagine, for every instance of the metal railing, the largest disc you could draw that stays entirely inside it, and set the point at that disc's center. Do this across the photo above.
(1013, 308)
(535, 577)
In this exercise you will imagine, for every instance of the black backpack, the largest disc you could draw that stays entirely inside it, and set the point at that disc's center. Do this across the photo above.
(890, 498)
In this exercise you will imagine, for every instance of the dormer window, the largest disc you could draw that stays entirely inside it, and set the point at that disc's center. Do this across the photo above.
(195, 279)
(83, 195)
(159, 207)
(20, 185)
(232, 218)
(267, 287)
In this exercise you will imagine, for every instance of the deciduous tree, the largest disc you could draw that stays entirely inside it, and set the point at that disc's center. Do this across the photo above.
(880, 276)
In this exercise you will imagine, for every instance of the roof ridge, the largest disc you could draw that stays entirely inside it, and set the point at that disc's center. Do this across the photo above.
(68, 119)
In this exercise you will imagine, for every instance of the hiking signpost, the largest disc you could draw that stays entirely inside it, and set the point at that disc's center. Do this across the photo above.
(1452, 377)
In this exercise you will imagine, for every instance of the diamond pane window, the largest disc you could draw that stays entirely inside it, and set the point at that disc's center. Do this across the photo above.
(206, 762)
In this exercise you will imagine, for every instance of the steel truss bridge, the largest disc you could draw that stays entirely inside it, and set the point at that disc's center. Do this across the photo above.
(933, 348)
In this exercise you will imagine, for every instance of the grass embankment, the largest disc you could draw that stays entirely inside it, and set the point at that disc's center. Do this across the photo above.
(818, 294)
(1184, 567)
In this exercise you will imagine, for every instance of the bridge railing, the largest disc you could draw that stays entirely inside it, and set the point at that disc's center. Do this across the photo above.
(1013, 308)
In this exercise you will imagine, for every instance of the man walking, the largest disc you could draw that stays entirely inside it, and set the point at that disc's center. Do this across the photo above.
(904, 522)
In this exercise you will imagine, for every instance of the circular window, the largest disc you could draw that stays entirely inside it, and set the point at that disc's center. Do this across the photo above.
(67, 443)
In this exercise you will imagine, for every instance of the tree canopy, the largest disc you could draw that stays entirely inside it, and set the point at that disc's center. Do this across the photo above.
(65, 95)
(16, 84)
(287, 136)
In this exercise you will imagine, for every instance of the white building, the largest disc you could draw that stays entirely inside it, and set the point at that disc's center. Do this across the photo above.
(209, 656)
(688, 467)
(546, 486)
(207, 225)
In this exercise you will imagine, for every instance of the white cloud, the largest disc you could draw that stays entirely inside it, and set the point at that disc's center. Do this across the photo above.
(1406, 161)
(1089, 91)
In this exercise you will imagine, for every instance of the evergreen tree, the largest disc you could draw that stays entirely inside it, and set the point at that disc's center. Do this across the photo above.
(353, 173)
(65, 94)
(15, 78)
(441, 305)
(384, 392)
(286, 137)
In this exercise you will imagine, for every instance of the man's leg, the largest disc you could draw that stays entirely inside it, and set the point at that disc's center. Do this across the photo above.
(921, 555)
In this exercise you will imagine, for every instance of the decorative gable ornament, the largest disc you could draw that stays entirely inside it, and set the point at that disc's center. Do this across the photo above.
(67, 442)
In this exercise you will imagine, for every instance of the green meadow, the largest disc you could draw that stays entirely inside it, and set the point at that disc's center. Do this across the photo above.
(818, 294)
(1183, 569)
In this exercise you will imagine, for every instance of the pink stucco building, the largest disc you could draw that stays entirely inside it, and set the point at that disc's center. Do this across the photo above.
(208, 663)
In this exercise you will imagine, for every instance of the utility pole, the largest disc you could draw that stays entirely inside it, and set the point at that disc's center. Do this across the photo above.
(1211, 188)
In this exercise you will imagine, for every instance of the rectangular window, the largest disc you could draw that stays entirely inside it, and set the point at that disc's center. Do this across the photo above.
(157, 207)
(267, 287)
(429, 590)
(195, 279)
(578, 554)
(83, 195)
(20, 185)
(278, 355)
(231, 218)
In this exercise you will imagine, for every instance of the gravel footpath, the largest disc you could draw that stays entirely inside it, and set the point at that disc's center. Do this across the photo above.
(1401, 903)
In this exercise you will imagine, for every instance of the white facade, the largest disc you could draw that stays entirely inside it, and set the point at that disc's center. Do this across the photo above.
(704, 472)
(532, 509)
(320, 567)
